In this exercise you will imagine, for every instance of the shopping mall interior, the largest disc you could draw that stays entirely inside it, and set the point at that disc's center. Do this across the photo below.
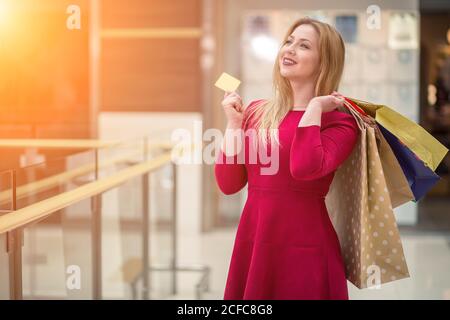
(93, 94)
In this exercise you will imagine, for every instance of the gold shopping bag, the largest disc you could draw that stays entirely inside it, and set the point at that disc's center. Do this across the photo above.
(397, 184)
(361, 211)
(416, 138)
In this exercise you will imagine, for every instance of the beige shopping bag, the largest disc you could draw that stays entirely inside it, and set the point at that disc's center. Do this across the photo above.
(396, 181)
(360, 208)
(416, 138)
(397, 184)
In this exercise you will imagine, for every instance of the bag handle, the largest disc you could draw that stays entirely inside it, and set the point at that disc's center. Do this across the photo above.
(359, 120)
(355, 106)
(364, 120)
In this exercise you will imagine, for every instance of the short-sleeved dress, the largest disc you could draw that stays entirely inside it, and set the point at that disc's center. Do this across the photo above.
(285, 246)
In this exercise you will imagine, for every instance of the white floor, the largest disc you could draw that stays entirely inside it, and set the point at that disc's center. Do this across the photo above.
(427, 255)
(48, 251)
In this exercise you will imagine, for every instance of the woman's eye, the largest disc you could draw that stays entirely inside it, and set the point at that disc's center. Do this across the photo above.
(304, 46)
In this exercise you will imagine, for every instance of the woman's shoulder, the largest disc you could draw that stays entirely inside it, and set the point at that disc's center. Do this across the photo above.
(249, 109)
(255, 102)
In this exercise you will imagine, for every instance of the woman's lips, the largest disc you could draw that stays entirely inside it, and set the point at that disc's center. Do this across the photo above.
(288, 62)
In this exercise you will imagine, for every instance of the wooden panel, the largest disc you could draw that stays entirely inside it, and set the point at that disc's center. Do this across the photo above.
(44, 65)
(150, 75)
(150, 13)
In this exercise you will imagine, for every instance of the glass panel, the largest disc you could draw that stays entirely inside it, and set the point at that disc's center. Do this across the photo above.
(57, 255)
(161, 232)
(57, 175)
(120, 156)
(6, 192)
(124, 238)
(122, 241)
(6, 206)
(44, 180)
(4, 269)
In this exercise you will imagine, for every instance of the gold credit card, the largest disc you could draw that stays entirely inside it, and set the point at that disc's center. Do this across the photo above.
(227, 83)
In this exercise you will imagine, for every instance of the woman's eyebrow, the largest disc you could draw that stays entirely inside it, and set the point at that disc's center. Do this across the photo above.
(300, 38)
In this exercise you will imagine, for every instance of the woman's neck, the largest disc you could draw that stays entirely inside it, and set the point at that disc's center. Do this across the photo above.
(302, 94)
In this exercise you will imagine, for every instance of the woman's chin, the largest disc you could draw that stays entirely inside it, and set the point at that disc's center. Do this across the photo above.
(288, 75)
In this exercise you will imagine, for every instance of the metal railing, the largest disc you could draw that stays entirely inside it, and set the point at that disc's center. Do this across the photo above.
(89, 185)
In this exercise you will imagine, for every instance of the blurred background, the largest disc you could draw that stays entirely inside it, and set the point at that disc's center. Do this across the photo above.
(91, 92)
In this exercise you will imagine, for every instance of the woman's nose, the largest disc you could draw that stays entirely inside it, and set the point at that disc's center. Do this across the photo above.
(290, 49)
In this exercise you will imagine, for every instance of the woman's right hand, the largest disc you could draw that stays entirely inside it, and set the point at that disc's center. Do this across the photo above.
(234, 110)
(328, 103)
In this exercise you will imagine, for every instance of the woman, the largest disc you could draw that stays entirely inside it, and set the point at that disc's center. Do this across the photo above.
(286, 246)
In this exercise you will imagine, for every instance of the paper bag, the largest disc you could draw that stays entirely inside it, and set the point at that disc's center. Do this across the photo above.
(416, 138)
(420, 177)
(361, 211)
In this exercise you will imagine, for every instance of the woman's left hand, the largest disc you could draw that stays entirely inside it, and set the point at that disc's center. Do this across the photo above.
(327, 103)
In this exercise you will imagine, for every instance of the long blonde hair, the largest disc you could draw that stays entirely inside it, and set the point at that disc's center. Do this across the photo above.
(269, 114)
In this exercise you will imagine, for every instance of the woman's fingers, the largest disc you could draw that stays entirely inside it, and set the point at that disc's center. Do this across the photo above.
(232, 99)
(240, 106)
(234, 102)
(236, 97)
(339, 101)
(234, 94)
(337, 94)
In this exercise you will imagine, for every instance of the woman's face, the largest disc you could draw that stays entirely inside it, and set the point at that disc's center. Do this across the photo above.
(302, 47)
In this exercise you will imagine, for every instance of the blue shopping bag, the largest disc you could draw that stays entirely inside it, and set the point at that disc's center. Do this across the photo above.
(420, 177)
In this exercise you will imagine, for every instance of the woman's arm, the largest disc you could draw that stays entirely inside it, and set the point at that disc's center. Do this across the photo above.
(316, 151)
(229, 169)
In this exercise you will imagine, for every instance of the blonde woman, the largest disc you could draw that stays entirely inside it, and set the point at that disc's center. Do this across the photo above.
(286, 246)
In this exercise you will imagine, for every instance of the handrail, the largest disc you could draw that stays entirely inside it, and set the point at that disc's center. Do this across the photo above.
(58, 143)
(54, 180)
(66, 143)
(40, 210)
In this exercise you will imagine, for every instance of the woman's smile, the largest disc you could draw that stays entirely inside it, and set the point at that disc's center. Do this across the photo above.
(288, 62)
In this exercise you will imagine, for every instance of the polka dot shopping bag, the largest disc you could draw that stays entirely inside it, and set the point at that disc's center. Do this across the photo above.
(360, 204)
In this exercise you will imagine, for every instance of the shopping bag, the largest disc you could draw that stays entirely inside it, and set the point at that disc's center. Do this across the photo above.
(416, 138)
(361, 211)
(420, 177)
(396, 181)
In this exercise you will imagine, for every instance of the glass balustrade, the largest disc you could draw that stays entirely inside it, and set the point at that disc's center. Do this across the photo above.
(97, 224)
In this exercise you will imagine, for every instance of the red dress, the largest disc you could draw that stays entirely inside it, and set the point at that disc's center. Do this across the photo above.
(285, 245)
